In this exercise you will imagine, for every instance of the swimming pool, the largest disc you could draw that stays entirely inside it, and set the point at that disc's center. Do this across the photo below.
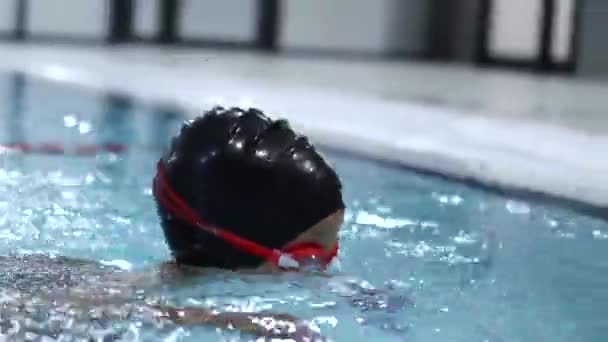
(454, 263)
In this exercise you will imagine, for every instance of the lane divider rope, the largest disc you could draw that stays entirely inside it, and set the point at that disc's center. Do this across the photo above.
(51, 148)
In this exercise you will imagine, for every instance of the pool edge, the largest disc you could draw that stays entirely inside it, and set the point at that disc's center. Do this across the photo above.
(440, 164)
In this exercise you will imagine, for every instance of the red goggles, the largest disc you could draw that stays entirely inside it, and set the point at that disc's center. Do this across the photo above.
(292, 258)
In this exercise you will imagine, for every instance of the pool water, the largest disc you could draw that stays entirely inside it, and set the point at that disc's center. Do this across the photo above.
(450, 263)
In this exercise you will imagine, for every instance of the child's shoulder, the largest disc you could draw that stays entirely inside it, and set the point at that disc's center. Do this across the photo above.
(170, 271)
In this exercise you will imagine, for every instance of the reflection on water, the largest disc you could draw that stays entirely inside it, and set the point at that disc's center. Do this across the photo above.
(421, 259)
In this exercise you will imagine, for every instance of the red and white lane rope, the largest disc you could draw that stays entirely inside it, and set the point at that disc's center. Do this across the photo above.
(51, 148)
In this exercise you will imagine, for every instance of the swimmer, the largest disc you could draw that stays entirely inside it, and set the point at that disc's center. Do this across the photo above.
(235, 191)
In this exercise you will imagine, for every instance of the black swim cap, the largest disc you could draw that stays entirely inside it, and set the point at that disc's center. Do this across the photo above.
(250, 175)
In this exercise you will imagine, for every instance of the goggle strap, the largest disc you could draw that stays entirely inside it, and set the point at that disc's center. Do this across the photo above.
(177, 207)
(246, 245)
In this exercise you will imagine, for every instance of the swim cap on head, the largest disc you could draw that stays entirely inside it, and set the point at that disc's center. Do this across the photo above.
(250, 175)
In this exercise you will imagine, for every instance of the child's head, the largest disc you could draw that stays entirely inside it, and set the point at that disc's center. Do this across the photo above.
(250, 176)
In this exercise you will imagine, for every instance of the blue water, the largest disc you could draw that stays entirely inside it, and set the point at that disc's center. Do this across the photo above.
(451, 263)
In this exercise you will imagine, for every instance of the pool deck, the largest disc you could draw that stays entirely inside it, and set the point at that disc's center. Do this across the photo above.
(545, 134)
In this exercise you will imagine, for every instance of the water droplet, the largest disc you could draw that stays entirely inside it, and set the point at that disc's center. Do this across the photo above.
(429, 224)
(89, 178)
(329, 320)
(328, 304)
(84, 127)
(384, 210)
(68, 194)
(70, 121)
(599, 235)
(261, 153)
(447, 199)
(518, 208)
(464, 239)
(366, 218)
(123, 264)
